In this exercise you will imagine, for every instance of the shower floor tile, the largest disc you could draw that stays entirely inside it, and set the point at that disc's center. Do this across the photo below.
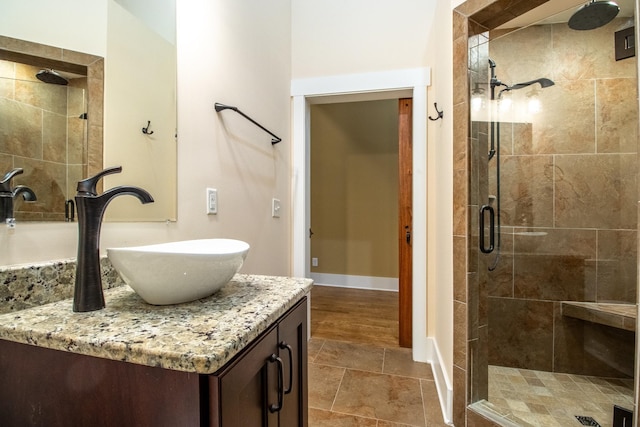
(547, 399)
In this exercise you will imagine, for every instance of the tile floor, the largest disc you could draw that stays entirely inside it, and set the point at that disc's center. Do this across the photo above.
(547, 399)
(363, 385)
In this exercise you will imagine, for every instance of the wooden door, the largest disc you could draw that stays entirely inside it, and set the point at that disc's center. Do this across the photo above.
(405, 220)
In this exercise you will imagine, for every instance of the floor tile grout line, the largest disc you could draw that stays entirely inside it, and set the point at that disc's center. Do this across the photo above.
(338, 389)
(377, 420)
(424, 409)
(319, 350)
(373, 372)
(384, 357)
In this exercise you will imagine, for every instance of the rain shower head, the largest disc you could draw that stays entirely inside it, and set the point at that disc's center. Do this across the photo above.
(593, 15)
(50, 76)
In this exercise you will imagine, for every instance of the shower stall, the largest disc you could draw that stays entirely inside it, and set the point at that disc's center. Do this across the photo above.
(553, 179)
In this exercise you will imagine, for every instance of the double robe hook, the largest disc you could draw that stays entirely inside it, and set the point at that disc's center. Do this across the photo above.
(440, 113)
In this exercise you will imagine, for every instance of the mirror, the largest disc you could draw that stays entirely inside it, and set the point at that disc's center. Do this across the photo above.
(59, 134)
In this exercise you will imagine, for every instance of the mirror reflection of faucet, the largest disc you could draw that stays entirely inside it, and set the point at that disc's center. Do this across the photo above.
(88, 295)
(69, 210)
(8, 194)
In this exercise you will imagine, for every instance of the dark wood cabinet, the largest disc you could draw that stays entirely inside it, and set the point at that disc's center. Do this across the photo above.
(267, 385)
(264, 385)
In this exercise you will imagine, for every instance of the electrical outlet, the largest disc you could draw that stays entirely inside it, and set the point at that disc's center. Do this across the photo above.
(275, 208)
(212, 201)
(314, 262)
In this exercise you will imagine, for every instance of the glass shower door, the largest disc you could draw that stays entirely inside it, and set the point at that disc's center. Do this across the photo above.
(554, 178)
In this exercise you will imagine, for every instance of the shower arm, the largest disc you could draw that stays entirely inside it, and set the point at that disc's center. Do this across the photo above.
(219, 107)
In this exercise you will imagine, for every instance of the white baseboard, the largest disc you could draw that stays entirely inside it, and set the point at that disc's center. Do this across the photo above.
(445, 389)
(359, 282)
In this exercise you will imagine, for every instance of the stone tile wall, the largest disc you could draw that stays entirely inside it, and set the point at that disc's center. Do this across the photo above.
(568, 200)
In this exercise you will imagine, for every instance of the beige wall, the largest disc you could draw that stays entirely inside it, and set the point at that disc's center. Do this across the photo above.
(334, 38)
(354, 188)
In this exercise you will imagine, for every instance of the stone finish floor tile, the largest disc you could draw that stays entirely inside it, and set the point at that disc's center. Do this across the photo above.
(560, 398)
(354, 384)
(399, 361)
(320, 418)
(350, 355)
(386, 397)
(324, 381)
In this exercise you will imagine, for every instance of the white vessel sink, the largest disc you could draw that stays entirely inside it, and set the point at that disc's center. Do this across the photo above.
(177, 272)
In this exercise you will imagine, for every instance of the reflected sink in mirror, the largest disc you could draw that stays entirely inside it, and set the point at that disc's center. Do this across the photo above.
(178, 272)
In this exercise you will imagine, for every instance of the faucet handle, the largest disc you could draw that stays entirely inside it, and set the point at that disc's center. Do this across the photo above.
(87, 187)
(5, 183)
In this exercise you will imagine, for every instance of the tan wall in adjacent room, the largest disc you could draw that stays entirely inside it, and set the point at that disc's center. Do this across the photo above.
(354, 188)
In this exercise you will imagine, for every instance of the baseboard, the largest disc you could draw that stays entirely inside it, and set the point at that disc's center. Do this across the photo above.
(358, 282)
(445, 390)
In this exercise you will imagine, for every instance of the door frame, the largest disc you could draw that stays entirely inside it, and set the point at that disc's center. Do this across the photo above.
(405, 222)
(406, 83)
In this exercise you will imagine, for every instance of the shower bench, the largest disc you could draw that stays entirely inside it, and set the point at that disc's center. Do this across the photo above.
(621, 316)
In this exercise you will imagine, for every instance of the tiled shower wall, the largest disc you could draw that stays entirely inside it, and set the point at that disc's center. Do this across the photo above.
(568, 208)
(42, 133)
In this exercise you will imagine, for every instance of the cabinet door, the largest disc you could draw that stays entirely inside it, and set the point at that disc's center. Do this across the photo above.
(292, 347)
(245, 390)
(44, 387)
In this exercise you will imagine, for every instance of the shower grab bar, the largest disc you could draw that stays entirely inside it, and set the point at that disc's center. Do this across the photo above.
(219, 107)
(492, 229)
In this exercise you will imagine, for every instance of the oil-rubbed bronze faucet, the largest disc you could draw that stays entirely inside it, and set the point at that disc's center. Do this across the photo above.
(8, 194)
(88, 295)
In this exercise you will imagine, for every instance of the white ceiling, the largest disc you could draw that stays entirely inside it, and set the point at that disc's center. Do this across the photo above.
(555, 11)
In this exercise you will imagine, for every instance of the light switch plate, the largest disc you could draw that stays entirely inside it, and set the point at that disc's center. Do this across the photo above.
(212, 201)
(275, 208)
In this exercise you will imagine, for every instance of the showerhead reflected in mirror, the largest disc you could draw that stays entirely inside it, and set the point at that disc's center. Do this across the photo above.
(51, 76)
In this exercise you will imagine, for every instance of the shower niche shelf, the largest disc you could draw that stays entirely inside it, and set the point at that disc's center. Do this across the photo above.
(621, 316)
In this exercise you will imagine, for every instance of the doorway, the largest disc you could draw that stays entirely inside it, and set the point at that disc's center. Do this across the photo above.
(361, 206)
(382, 85)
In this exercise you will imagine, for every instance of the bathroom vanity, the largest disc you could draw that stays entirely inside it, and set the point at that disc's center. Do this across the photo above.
(237, 358)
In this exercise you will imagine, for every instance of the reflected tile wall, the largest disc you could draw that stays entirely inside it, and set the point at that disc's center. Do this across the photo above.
(42, 133)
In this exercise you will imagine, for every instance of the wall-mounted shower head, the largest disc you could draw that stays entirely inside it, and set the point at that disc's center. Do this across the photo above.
(544, 82)
(593, 15)
(51, 76)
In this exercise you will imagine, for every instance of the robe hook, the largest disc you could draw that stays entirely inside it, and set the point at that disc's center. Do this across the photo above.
(146, 129)
(440, 113)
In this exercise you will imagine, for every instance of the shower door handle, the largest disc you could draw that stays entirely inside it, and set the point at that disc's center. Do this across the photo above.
(492, 229)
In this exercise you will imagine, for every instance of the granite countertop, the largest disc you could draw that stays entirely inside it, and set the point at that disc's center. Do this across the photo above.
(200, 336)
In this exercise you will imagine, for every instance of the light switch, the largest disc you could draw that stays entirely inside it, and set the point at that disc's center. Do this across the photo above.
(275, 208)
(212, 201)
